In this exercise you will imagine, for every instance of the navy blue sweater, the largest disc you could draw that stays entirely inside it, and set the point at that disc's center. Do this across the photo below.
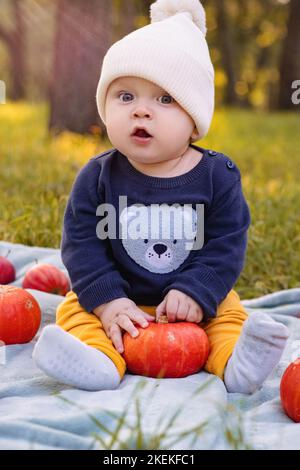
(103, 270)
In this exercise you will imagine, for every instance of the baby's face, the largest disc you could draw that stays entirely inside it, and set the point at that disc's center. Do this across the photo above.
(135, 102)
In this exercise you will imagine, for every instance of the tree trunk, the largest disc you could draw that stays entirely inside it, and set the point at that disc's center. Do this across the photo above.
(15, 42)
(123, 17)
(84, 33)
(129, 10)
(227, 46)
(17, 54)
(290, 59)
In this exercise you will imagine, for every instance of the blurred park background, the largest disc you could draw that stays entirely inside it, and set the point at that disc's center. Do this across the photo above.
(50, 59)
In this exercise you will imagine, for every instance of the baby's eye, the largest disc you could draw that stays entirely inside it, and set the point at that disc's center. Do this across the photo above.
(167, 99)
(125, 94)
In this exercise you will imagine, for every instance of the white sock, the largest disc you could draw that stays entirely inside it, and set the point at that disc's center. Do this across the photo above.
(256, 353)
(70, 361)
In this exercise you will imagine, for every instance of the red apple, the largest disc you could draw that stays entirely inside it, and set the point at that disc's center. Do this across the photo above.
(20, 315)
(7, 270)
(290, 391)
(46, 278)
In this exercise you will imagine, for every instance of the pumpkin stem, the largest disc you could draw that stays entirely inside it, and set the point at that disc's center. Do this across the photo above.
(162, 319)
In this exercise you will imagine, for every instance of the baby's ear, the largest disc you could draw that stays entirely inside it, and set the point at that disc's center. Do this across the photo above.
(195, 135)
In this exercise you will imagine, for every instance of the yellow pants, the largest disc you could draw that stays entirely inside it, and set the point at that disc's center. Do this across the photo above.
(222, 331)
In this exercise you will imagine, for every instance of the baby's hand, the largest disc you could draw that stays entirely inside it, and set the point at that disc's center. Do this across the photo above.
(120, 314)
(179, 306)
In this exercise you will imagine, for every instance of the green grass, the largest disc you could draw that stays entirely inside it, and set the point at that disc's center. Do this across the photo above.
(120, 432)
(37, 172)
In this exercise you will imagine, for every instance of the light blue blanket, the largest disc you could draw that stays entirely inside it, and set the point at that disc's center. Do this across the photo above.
(195, 412)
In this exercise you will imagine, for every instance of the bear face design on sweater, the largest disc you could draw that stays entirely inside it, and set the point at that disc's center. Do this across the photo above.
(158, 237)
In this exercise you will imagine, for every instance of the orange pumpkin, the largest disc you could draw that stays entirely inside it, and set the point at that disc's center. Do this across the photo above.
(166, 349)
(290, 391)
(20, 315)
(46, 278)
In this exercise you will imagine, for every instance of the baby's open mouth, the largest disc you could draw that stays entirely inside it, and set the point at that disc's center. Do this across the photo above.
(141, 133)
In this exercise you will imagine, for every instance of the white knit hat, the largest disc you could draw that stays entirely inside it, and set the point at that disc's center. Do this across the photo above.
(172, 53)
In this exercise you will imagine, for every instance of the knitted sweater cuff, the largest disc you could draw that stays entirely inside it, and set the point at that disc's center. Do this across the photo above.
(100, 292)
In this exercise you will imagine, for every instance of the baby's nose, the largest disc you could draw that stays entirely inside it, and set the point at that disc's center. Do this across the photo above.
(142, 114)
(142, 111)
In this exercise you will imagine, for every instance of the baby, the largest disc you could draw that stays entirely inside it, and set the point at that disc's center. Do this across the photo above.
(157, 225)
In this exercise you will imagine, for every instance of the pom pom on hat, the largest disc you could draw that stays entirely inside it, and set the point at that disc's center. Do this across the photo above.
(163, 9)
